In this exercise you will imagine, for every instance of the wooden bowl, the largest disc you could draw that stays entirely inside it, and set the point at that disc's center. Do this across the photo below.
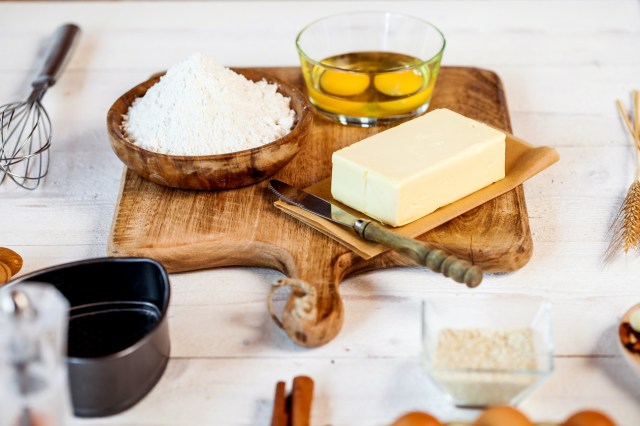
(210, 172)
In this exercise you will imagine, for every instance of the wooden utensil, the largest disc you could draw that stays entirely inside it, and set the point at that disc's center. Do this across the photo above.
(190, 230)
(416, 251)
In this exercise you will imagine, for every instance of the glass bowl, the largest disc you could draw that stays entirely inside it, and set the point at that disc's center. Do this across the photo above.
(486, 350)
(370, 68)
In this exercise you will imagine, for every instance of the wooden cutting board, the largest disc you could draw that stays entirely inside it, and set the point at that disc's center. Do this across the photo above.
(189, 230)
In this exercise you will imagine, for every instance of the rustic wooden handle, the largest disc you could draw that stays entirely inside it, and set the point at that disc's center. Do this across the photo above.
(10, 264)
(435, 259)
(313, 314)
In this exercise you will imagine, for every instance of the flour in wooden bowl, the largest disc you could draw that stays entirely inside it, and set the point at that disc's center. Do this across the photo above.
(201, 108)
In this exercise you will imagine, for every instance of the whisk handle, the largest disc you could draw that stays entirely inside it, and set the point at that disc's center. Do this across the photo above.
(62, 43)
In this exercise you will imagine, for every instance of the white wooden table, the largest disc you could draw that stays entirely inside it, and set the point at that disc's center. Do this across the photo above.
(563, 63)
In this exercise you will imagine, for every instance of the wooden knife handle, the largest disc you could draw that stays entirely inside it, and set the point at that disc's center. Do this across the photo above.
(423, 254)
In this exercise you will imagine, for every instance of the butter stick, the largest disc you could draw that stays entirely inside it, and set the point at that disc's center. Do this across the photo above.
(408, 171)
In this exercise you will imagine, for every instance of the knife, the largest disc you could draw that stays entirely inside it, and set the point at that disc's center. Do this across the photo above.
(435, 259)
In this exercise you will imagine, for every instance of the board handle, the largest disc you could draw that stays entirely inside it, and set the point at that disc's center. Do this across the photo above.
(313, 314)
(423, 254)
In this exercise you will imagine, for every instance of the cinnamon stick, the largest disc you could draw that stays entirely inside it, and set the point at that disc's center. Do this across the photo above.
(280, 416)
(301, 398)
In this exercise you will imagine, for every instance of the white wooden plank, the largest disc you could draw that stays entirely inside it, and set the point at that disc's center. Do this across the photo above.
(385, 305)
(501, 15)
(240, 392)
(85, 177)
(119, 51)
(561, 130)
(81, 100)
(115, 34)
(231, 302)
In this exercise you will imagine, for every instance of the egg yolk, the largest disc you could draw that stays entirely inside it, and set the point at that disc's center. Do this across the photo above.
(336, 105)
(399, 83)
(406, 104)
(343, 83)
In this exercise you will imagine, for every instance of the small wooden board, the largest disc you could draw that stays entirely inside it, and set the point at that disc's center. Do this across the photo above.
(190, 230)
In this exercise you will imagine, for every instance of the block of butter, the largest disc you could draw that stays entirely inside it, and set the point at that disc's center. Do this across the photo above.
(408, 171)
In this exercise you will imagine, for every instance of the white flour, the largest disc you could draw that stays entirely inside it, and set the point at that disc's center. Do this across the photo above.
(202, 108)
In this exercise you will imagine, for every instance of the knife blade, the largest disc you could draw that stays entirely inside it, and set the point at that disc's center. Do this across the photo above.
(424, 254)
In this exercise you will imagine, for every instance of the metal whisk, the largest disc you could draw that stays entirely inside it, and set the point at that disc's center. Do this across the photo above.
(25, 127)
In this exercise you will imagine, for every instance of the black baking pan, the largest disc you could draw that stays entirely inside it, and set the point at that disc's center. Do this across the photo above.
(118, 341)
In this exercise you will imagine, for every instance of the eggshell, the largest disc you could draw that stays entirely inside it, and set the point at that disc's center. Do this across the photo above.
(417, 418)
(589, 418)
(502, 416)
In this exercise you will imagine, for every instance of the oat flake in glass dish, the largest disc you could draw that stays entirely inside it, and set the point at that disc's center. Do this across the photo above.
(483, 351)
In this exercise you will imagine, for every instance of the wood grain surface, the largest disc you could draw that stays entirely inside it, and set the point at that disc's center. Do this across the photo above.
(189, 230)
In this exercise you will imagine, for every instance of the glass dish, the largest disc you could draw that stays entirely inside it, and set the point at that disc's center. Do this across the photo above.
(370, 68)
(487, 350)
